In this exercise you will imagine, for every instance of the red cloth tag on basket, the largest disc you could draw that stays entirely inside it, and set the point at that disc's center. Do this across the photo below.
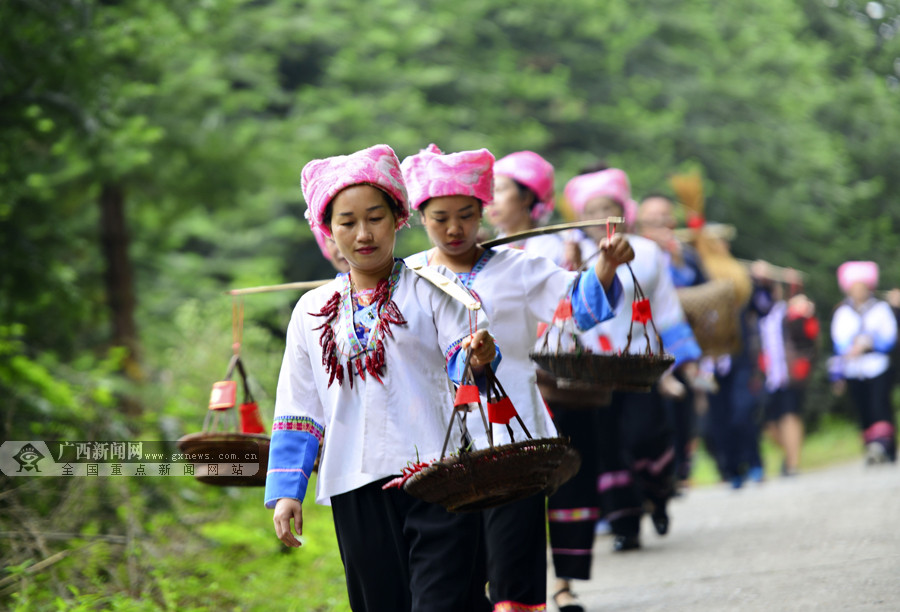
(640, 311)
(251, 422)
(223, 395)
(466, 394)
(563, 310)
(501, 411)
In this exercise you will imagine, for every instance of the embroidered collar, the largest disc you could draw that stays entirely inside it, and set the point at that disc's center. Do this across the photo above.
(478, 267)
(346, 316)
(466, 278)
(361, 359)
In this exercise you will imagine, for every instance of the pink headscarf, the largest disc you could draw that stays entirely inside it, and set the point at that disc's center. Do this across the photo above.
(851, 272)
(611, 183)
(322, 179)
(533, 171)
(321, 240)
(431, 174)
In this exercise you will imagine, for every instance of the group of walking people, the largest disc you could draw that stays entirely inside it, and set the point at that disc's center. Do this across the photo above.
(364, 380)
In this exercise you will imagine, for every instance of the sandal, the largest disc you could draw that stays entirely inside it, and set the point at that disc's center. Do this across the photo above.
(569, 607)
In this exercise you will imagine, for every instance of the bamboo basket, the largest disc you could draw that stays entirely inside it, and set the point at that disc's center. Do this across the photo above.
(469, 481)
(220, 446)
(626, 371)
(571, 394)
(711, 312)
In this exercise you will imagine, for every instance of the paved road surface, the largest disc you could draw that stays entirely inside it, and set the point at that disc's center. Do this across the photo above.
(826, 540)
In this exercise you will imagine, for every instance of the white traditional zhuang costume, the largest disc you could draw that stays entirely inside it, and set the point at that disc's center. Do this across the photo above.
(518, 291)
(873, 325)
(371, 384)
(622, 474)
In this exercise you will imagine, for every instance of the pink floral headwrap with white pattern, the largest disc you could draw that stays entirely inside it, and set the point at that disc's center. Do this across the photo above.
(431, 174)
(852, 272)
(321, 240)
(610, 183)
(533, 171)
(322, 179)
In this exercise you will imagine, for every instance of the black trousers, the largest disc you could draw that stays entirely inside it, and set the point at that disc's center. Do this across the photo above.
(872, 398)
(636, 459)
(734, 421)
(573, 510)
(516, 543)
(403, 554)
(683, 423)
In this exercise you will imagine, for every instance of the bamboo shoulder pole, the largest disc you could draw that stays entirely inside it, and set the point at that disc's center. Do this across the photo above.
(550, 229)
(300, 286)
(777, 273)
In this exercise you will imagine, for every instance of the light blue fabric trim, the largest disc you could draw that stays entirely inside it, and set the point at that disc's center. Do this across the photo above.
(679, 341)
(883, 345)
(591, 304)
(292, 455)
(457, 362)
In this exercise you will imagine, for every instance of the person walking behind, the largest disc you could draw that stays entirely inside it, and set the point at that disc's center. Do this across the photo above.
(788, 336)
(864, 331)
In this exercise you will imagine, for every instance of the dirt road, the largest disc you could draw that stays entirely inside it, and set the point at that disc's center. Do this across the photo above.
(826, 540)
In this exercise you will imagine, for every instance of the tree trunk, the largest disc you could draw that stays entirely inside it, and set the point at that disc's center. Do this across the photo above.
(119, 277)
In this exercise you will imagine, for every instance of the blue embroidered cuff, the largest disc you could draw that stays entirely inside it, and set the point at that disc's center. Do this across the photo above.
(591, 304)
(680, 342)
(292, 454)
(456, 362)
(883, 345)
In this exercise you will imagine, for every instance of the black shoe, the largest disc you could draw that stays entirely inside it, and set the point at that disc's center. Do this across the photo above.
(626, 542)
(660, 520)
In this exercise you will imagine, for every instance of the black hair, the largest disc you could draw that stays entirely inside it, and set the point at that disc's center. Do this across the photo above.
(388, 199)
(525, 191)
(596, 166)
(428, 201)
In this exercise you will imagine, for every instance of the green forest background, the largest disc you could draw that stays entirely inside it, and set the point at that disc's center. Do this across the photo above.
(150, 154)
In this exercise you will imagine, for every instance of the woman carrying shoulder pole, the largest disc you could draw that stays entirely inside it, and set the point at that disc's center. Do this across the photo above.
(517, 291)
(364, 374)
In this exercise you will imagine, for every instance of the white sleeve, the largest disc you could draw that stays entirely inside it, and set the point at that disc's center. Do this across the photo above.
(296, 394)
(544, 284)
(667, 310)
(884, 335)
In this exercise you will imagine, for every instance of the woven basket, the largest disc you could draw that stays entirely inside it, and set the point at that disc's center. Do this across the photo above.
(711, 312)
(226, 449)
(568, 467)
(491, 477)
(586, 371)
(571, 394)
(475, 480)
(625, 372)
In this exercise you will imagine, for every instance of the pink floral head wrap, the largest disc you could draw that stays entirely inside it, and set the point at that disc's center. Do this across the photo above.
(533, 171)
(852, 272)
(322, 179)
(611, 183)
(431, 174)
(321, 239)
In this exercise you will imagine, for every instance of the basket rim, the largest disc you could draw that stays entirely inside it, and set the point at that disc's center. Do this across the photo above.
(600, 357)
(627, 371)
(459, 491)
(223, 436)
